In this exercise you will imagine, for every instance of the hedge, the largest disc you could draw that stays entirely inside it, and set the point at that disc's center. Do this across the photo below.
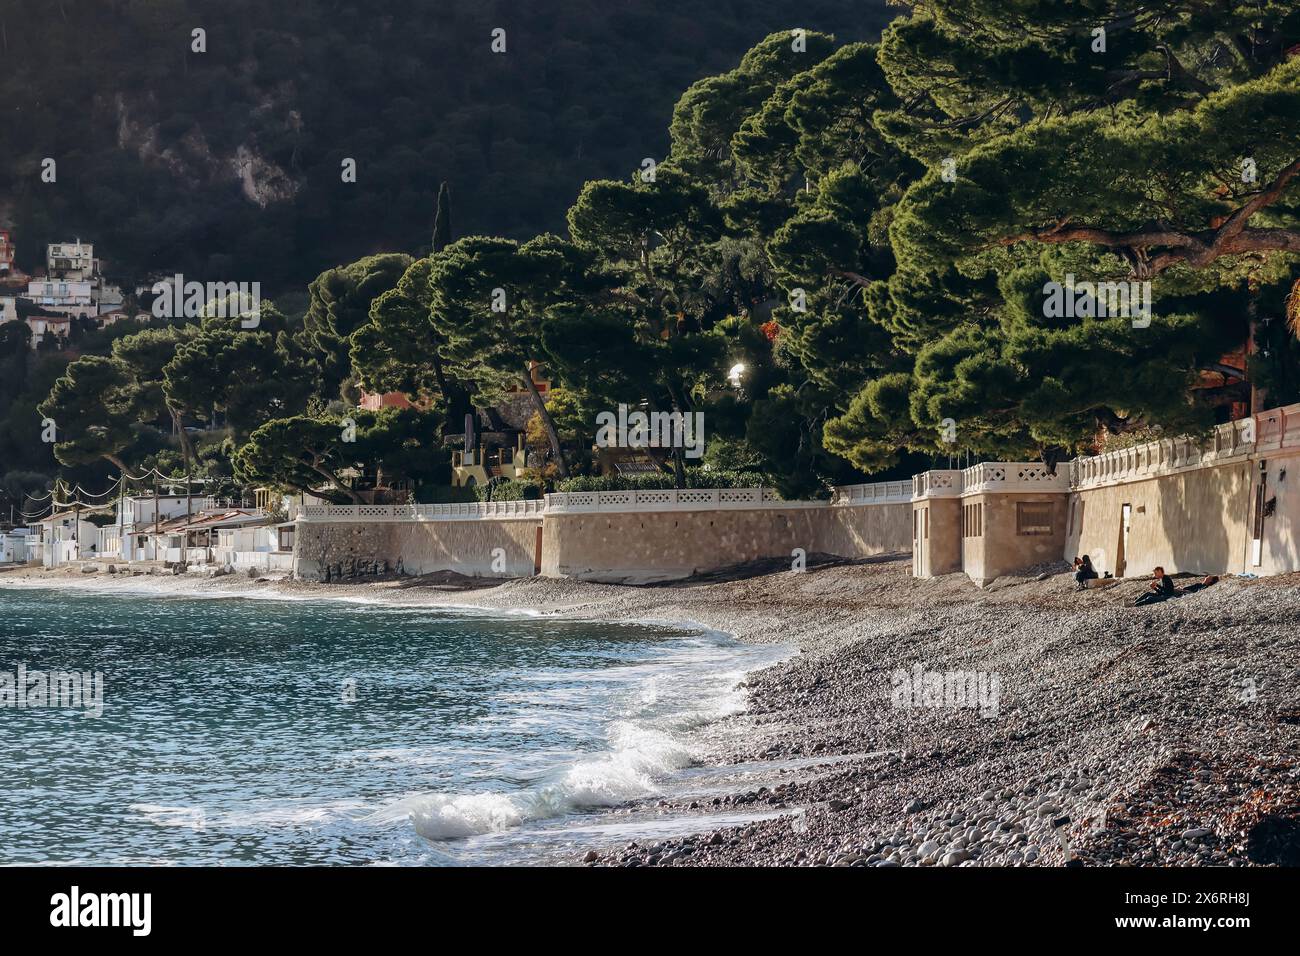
(695, 478)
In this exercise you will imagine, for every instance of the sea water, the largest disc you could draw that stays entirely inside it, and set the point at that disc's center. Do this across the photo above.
(314, 732)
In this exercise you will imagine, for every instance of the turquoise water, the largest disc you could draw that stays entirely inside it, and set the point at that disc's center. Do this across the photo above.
(255, 731)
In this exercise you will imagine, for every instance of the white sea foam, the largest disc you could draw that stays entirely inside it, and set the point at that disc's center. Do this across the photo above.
(640, 761)
(662, 705)
(200, 818)
(192, 818)
(448, 817)
(649, 714)
(644, 754)
(168, 586)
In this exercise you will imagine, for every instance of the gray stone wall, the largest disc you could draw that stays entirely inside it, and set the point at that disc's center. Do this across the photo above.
(632, 547)
(345, 550)
(664, 545)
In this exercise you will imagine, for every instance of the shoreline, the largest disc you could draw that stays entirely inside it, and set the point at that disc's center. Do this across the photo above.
(1126, 731)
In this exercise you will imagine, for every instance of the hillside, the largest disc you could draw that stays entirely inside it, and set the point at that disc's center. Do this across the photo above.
(228, 162)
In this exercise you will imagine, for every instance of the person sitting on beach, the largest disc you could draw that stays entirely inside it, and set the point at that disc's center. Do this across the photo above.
(1201, 585)
(1161, 588)
(1083, 571)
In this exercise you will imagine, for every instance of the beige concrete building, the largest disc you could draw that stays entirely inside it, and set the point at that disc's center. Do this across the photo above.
(988, 519)
(1217, 504)
(937, 529)
(1013, 517)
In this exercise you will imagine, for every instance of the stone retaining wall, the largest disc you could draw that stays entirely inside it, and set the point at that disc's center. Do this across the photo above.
(331, 551)
(640, 547)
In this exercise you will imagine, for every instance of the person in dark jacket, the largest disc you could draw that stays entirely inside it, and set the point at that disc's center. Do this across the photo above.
(1083, 571)
(1162, 588)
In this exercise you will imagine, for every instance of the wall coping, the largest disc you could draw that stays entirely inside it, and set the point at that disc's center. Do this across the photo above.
(1006, 477)
(453, 511)
(877, 492)
(1272, 432)
(608, 502)
(940, 483)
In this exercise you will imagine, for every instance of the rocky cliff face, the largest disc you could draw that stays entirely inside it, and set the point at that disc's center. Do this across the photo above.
(192, 159)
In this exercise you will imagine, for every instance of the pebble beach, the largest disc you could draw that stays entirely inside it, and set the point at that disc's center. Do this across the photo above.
(1155, 736)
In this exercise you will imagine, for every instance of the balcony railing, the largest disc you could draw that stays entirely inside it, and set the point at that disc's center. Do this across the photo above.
(500, 458)
(942, 483)
(1000, 477)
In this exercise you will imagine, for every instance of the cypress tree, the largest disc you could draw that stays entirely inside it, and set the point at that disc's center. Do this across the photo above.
(442, 219)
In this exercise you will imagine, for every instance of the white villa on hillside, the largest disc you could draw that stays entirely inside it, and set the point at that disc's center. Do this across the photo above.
(71, 260)
(74, 298)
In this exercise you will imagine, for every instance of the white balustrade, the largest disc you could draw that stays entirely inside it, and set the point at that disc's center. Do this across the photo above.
(878, 492)
(939, 483)
(671, 499)
(450, 511)
(1272, 431)
(1268, 432)
(1013, 476)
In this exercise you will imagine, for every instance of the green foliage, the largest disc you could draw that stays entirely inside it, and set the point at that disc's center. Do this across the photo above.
(445, 494)
(297, 453)
(340, 303)
(90, 407)
(869, 232)
(399, 444)
(510, 489)
(1026, 181)
(236, 373)
(714, 109)
(396, 350)
(145, 355)
(695, 478)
